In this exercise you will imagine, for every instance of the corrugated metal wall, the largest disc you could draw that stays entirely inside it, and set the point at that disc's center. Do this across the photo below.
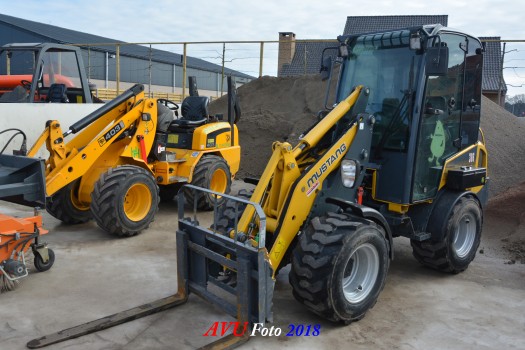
(133, 70)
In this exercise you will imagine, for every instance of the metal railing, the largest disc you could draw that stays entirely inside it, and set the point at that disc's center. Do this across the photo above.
(110, 94)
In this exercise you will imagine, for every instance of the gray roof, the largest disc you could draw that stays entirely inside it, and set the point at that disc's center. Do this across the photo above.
(312, 52)
(354, 25)
(368, 24)
(492, 64)
(67, 36)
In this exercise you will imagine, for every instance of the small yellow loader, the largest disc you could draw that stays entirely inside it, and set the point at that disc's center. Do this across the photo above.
(110, 164)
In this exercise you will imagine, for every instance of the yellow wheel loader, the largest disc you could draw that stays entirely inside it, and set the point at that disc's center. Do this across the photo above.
(118, 156)
(399, 153)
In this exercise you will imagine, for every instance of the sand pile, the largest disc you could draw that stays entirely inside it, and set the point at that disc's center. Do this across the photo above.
(505, 138)
(505, 223)
(273, 109)
(278, 109)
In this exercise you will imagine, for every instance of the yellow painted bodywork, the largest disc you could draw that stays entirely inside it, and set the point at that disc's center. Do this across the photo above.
(479, 160)
(102, 145)
(186, 159)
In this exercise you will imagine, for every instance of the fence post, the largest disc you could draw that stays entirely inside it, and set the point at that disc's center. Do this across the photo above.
(261, 59)
(222, 72)
(118, 69)
(149, 86)
(184, 73)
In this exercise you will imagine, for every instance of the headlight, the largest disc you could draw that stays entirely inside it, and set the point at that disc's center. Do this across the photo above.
(348, 172)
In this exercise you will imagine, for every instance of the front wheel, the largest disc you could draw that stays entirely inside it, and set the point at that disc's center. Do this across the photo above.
(211, 172)
(66, 207)
(459, 243)
(125, 200)
(339, 266)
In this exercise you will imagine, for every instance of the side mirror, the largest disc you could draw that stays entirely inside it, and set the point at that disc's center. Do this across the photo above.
(326, 68)
(437, 60)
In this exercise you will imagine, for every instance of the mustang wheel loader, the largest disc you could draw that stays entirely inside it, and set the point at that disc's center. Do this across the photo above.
(399, 154)
(119, 155)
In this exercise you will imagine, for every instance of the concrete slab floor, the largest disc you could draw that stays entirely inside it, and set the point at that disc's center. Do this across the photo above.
(96, 275)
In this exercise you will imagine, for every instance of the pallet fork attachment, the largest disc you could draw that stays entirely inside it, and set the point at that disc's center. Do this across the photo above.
(201, 254)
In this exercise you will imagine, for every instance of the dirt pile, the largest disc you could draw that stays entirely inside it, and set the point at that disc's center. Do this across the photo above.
(273, 109)
(505, 139)
(505, 223)
(280, 109)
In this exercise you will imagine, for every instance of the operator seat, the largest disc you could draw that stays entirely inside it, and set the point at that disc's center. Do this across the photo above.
(57, 93)
(194, 111)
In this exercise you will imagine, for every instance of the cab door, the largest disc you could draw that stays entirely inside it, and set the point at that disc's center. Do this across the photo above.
(450, 112)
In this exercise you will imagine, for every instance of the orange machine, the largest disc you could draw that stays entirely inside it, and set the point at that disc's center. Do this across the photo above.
(17, 235)
(21, 181)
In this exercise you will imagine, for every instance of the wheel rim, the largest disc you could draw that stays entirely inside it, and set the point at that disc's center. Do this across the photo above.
(219, 181)
(137, 202)
(361, 273)
(464, 235)
(75, 202)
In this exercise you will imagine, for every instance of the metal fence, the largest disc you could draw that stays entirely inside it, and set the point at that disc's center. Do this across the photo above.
(154, 67)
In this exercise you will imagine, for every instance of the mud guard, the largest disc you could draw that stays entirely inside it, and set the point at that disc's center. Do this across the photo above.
(366, 213)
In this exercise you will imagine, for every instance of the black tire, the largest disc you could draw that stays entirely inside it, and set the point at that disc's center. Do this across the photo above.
(212, 172)
(64, 207)
(40, 265)
(225, 223)
(168, 192)
(460, 240)
(114, 200)
(319, 276)
(232, 211)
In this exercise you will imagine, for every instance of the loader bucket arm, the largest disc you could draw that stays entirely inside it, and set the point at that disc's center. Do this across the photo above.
(95, 134)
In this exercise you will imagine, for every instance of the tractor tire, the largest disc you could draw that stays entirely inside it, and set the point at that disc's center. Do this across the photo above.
(125, 200)
(212, 172)
(42, 266)
(231, 211)
(339, 266)
(65, 207)
(462, 233)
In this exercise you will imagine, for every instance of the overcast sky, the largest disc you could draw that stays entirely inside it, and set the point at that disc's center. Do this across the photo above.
(212, 20)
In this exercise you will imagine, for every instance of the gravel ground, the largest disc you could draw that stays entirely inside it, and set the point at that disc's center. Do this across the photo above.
(96, 275)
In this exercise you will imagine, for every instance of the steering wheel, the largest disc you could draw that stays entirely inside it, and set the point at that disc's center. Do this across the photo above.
(26, 84)
(168, 103)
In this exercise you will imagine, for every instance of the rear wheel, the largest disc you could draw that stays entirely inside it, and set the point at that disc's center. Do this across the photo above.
(339, 266)
(65, 206)
(125, 200)
(457, 248)
(212, 172)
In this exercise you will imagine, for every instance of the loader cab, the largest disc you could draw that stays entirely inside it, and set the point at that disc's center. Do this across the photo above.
(425, 93)
(42, 73)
